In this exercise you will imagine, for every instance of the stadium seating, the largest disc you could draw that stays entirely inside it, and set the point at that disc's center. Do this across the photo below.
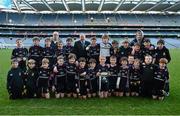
(118, 26)
(81, 19)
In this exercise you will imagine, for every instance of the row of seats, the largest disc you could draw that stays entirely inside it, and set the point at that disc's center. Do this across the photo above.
(111, 32)
(86, 19)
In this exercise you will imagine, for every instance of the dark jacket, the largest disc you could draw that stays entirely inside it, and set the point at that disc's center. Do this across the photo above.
(15, 80)
(79, 50)
(163, 53)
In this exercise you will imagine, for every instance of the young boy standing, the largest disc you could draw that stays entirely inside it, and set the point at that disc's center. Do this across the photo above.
(82, 82)
(92, 82)
(102, 73)
(135, 75)
(115, 48)
(105, 48)
(60, 77)
(130, 61)
(123, 79)
(113, 74)
(148, 70)
(148, 49)
(43, 79)
(15, 83)
(35, 52)
(60, 51)
(137, 52)
(31, 76)
(124, 50)
(49, 52)
(160, 76)
(161, 52)
(71, 74)
(93, 50)
(68, 47)
(20, 53)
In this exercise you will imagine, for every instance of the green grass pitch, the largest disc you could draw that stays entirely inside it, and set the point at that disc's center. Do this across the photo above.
(113, 105)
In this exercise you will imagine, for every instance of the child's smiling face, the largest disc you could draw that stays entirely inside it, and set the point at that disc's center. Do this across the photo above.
(125, 45)
(60, 62)
(31, 65)
(105, 40)
(82, 64)
(72, 60)
(147, 44)
(93, 41)
(148, 59)
(136, 63)
(130, 59)
(137, 48)
(92, 65)
(48, 43)
(115, 45)
(69, 43)
(19, 43)
(162, 65)
(36, 42)
(102, 59)
(15, 64)
(45, 65)
(124, 62)
(160, 46)
(113, 61)
(60, 45)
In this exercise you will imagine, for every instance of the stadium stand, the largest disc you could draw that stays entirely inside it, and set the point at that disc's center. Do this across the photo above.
(79, 19)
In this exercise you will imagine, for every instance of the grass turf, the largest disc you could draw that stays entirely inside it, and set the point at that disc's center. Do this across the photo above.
(113, 105)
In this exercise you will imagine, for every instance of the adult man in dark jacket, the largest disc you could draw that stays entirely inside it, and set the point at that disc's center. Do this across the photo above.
(80, 47)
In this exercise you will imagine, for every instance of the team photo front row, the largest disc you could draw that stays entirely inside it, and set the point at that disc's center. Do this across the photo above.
(89, 69)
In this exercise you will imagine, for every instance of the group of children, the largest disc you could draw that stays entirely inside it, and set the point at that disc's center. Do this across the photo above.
(109, 70)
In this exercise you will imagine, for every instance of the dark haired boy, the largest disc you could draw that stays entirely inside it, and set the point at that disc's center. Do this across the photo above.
(60, 51)
(20, 53)
(124, 49)
(137, 52)
(15, 83)
(135, 76)
(161, 51)
(148, 49)
(161, 75)
(93, 50)
(43, 79)
(35, 52)
(68, 47)
(49, 52)
(82, 75)
(60, 77)
(92, 79)
(147, 71)
(122, 83)
(71, 74)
